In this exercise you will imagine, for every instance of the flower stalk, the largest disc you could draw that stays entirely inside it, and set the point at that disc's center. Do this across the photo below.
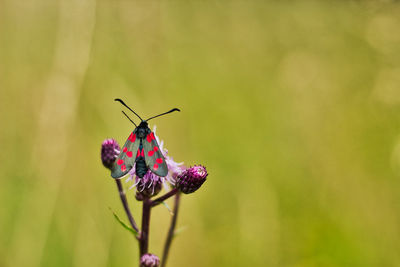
(164, 197)
(126, 206)
(171, 231)
(144, 234)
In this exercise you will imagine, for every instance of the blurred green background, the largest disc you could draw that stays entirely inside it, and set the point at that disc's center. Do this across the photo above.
(293, 106)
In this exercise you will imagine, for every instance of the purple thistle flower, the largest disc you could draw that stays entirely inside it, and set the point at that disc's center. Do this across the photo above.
(149, 260)
(191, 179)
(109, 152)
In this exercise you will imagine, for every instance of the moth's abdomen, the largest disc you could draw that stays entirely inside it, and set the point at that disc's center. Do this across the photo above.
(141, 167)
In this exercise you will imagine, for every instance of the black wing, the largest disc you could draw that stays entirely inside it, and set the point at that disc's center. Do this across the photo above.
(153, 156)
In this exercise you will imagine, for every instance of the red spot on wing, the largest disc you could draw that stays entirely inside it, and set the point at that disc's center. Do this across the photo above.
(123, 168)
(155, 166)
(142, 153)
(148, 138)
(152, 136)
(155, 149)
(120, 161)
(150, 153)
(125, 149)
(159, 160)
(129, 154)
(138, 153)
(132, 137)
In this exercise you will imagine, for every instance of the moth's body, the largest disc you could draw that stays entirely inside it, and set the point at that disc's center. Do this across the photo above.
(140, 164)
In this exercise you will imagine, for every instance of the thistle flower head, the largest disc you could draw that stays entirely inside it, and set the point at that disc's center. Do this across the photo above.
(109, 152)
(148, 186)
(149, 260)
(191, 179)
(174, 168)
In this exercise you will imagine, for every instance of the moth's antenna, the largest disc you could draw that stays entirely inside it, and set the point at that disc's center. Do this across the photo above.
(129, 118)
(123, 103)
(172, 110)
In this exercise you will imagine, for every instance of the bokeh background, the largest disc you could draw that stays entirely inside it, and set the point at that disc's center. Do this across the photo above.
(293, 106)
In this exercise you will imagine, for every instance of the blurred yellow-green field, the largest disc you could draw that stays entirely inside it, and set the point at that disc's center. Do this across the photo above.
(293, 107)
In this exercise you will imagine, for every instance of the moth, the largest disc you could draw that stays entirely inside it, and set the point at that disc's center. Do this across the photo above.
(140, 150)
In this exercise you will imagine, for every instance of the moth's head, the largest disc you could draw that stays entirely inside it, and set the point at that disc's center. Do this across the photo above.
(143, 124)
(142, 129)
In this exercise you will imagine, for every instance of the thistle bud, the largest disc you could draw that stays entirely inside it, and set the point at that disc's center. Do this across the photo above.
(191, 179)
(149, 260)
(109, 152)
